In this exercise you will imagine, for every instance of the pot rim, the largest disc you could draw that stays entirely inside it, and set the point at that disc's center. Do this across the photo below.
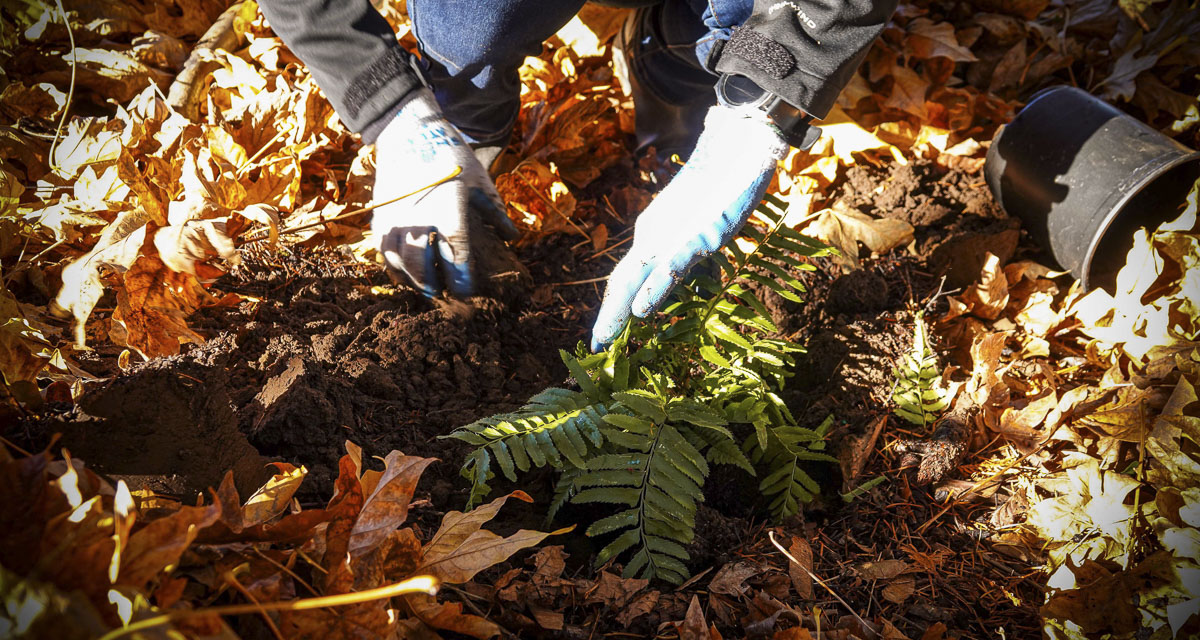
(1117, 208)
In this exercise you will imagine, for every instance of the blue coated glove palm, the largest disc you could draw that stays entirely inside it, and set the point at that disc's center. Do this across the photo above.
(425, 237)
(702, 208)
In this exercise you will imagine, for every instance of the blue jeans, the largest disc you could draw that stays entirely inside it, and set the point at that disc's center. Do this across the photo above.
(473, 49)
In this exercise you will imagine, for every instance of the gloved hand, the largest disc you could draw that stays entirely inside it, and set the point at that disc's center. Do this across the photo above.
(425, 236)
(702, 208)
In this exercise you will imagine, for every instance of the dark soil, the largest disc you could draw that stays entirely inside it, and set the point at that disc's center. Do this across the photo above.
(957, 222)
(319, 359)
(328, 351)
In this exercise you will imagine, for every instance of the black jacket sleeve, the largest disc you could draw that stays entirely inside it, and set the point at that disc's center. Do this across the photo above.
(353, 54)
(804, 50)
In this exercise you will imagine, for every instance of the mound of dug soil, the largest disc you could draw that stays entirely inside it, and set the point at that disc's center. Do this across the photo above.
(327, 352)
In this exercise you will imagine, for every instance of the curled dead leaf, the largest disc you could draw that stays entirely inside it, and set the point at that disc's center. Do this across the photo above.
(117, 247)
(843, 228)
(988, 297)
(267, 215)
(461, 548)
(731, 578)
(881, 570)
(899, 590)
(273, 497)
(182, 247)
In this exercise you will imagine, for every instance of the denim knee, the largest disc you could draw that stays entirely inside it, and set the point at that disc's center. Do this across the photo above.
(472, 51)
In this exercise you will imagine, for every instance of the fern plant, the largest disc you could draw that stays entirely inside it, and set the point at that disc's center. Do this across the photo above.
(919, 393)
(652, 412)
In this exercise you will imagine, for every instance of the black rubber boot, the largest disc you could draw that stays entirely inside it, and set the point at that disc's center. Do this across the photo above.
(670, 122)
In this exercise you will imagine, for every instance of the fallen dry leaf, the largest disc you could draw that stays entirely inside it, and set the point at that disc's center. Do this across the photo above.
(899, 590)
(24, 351)
(449, 616)
(615, 592)
(547, 619)
(801, 579)
(843, 228)
(988, 297)
(386, 508)
(908, 92)
(542, 201)
(881, 570)
(272, 498)
(843, 137)
(161, 542)
(929, 39)
(693, 626)
(1173, 434)
(731, 578)
(643, 604)
(460, 548)
(152, 308)
(183, 247)
(550, 561)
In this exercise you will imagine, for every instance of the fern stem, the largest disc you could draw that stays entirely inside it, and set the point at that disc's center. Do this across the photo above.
(642, 498)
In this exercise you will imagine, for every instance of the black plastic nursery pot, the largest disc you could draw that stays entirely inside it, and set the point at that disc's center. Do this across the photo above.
(1083, 176)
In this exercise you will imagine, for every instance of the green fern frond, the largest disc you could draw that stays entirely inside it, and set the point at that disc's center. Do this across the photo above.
(556, 426)
(919, 393)
(722, 449)
(652, 413)
(661, 488)
(564, 490)
(787, 483)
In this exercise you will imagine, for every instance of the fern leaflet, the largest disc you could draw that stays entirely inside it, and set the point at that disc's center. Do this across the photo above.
(919, 394)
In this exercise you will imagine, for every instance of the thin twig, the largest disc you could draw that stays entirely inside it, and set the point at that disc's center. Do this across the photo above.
(249, 596)
(62, 121)
(771, 535)
(375, 205)
(575, 282)
(609, 249)
(286, 570)
(419, 584)
(263, 149)
(23, 265)
(12, 445)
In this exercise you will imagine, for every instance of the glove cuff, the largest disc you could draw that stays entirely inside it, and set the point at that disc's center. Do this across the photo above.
(417, 110)
(749, 130)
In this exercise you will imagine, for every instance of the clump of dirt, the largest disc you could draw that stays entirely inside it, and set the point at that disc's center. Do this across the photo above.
(858, 291)
(956, 220)
(921, 192)
(166, 429)
(857, 325)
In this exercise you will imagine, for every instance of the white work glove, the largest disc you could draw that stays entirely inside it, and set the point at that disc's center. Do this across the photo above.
(425, 236)
(702, 208)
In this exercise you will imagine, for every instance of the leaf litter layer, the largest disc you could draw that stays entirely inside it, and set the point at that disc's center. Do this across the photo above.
(1058, 390)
